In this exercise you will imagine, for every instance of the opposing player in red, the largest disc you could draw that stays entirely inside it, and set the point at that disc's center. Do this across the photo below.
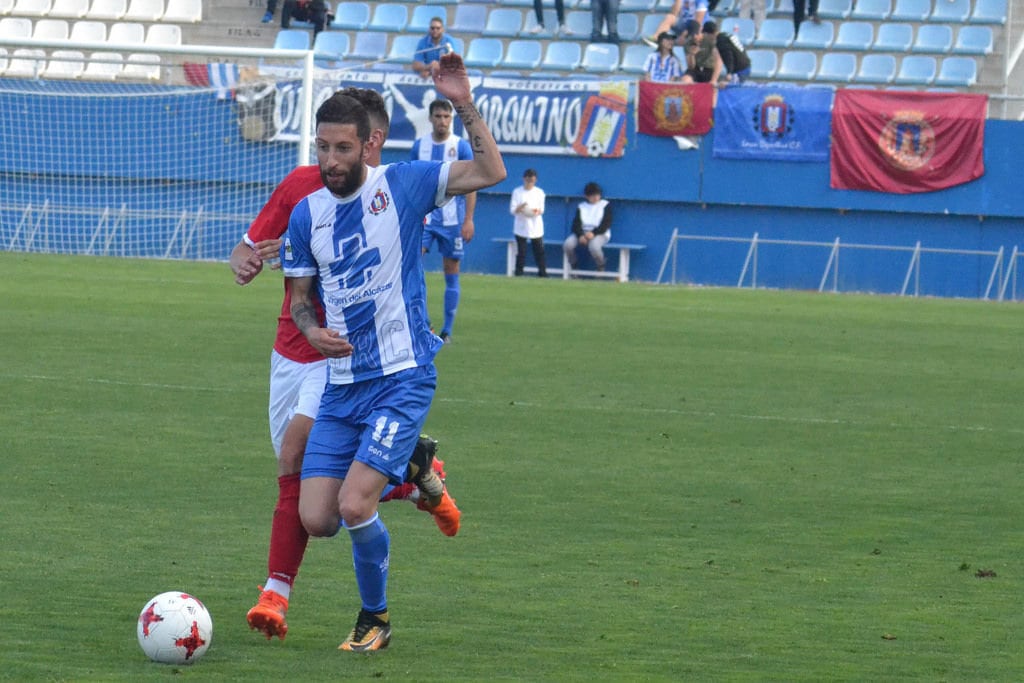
(297, 380)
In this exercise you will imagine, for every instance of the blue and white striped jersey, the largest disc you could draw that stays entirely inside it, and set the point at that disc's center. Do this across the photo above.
(365, 251)
(452, 149)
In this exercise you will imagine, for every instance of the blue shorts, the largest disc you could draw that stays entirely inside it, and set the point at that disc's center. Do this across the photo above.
(448, 238)
(376, 422)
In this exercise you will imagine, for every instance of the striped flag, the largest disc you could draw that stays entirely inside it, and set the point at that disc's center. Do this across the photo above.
(221, 76)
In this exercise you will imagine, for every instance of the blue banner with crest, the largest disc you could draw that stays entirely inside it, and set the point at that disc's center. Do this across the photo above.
(768, 122)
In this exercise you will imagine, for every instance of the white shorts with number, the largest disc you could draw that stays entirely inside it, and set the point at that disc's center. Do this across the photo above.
(295, 389)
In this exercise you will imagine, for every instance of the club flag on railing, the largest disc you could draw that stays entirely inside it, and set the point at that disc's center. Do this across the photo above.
(780, 123)
(670, 109)
(906, 142)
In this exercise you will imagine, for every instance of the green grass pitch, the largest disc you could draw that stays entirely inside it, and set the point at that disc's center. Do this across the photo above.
(658, 484)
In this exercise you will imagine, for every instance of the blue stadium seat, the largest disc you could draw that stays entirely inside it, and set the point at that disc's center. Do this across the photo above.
(934, 38)
(726, 8)
(876, 69)
(775, 33)
(517, 3)
(503, 22)
(854, 35)
(629, 27)
(600, 58)
(351, 16)
(403, 49)
(838, 67)
(894, 38)
(797, 65)
(872, 10)
(911, 10)
(505, 73)
(633, 59)
(763, 64)
(291, 39)
(917, 70)
(469, 19)
(744, 28)
(636, 6)
(835, 9)
(580, 22)
(812, 36)
(562, 56)
(959, 72)
(421, 16)
(530, 25)
(989, 12)
(330, 47)
(974, 40)
(369, 45)
(781, 8)
(951, 11)
(649, 26)
(390, 17)
(523, 54)
(458, 43)
(485, 52)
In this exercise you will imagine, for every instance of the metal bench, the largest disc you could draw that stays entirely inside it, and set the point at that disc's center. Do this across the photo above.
(621, 274)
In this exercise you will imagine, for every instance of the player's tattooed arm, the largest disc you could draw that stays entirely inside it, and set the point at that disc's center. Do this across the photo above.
(327, 341)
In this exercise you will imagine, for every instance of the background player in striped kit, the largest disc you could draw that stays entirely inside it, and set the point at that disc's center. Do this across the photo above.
(450, 226)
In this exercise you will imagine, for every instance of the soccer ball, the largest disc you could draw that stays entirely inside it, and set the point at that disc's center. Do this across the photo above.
(174, 628)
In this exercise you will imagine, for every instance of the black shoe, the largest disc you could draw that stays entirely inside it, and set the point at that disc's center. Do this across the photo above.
(371, 632)
(446, 338)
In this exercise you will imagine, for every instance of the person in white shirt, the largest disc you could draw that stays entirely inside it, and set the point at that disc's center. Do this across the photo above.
(527, 206)
(591, 228)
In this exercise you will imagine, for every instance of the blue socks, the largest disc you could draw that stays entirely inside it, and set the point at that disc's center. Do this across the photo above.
(451, 301)
(370, 557)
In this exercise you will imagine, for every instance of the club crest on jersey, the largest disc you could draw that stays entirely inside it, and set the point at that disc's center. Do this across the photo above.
(380, 202)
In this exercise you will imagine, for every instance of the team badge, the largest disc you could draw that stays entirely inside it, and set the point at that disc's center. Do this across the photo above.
(907, 141)
(380, 202)
(774, 117)
(602, 131)
(673, 109)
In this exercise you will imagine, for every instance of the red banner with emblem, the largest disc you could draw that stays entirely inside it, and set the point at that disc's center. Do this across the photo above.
(905, 142)
(671, 109)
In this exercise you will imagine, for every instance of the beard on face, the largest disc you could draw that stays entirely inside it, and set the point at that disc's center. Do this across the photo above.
(344, 185)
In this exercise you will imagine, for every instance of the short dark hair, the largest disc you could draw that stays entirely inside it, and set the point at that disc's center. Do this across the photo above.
(374, 105)
(440, 104)
(709, 27)
(529, 173)
(340, 108)
(591, 188)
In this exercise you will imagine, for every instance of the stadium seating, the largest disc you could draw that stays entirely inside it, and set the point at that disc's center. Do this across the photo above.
(402, 51)
(389, 17)
(370, 45)
(69, 9)
(839, 67)
(781, 8)
(184, 11)
(484, 52)
(600, 58)
(506, 73)
(15, 27)
(626, 6)
(65, 64)
(530, 29)
(103, 66)
(649, 25)
(835, 9)
(911, 10)
(50, 29)
(725, 8)
(872, 10)
(973, 40)
(421, 16)
(523, 54)
(916, 70)
(951, 11)
(503, 22)
(629, 27)
(469, 19)
(88, 32)
(144, 10)
(763, 64)
(291, 39)
(31, 8)
(106, 10)
(854, 35)
(775, 33)
(580, 22)
(5, 8)
(797, 65)
(351, 16)
(520, 3)
(562, 56)
(876, 68)
(894, 38)
(744, 28)
(633, 59)
(934, 38)
(989, 12)
(957, 72)
(142, 67)
(26, 63)
(812, 36)
(330, 47)
(127, 33)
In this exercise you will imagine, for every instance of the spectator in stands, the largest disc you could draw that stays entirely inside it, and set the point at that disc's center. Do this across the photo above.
(802, 8)
(538, 10)
(753, 9)
(704, 64)
(591, 227)
(316, 12)
(527, 206)
(604, 13)
(735, 60)
(662, 65)
(678, 20)
(431, 47)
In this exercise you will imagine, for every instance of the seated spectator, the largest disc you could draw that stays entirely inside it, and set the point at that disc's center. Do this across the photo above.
(591, 227)
(704, 64)
(676, 21)
(431, 47)
(662, 65)
(730, 49)
(316, 12)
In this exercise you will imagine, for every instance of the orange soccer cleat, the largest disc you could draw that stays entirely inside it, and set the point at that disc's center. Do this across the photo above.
(268, 615)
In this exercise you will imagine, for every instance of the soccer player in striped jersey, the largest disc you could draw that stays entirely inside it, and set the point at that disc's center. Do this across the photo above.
(450, 226)
(297, 379)
(357, 244)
